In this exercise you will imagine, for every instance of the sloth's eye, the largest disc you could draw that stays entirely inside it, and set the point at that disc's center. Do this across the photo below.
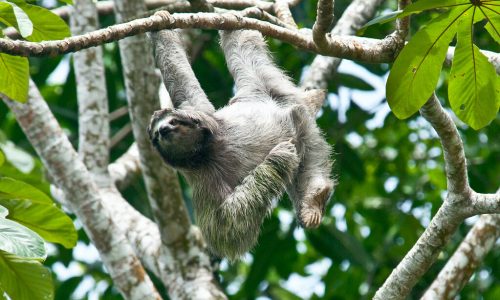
(174, 122)
(196, 122)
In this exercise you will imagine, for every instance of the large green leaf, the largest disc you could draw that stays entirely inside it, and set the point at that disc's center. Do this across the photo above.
(416, 7)
(14, 75)
(24, 279)
(474, 89)
(422, 5)
(19, 240)
(46, 24)
(415, 72)
(47, 220)
(2, 158)
(14, 189)
(13, 15)
(33, 209)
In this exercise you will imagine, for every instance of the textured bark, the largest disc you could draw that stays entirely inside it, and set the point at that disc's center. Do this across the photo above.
(93, 121)
(454, 155)
(324, 20)
(282, 11)
(126, 169)
(69, 173)
(469, 255)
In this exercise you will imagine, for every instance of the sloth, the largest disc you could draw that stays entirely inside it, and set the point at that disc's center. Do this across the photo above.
(238, 159)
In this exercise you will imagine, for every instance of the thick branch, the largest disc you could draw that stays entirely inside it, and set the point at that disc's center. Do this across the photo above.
(126, 169)
(93, 121)
(423, 254)
(484, 203)
(70, 174)
(471, 252)
(353, 18)
(365, 49)
(454, 155)
(324, 20)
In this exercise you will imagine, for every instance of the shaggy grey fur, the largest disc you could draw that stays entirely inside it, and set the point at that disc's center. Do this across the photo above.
(242, 156)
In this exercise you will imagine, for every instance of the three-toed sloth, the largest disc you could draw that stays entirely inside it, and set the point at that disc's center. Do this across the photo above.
(239, 158)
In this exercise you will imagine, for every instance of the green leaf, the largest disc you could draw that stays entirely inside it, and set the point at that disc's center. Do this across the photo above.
(48, 221)
(2, 158)
(474, 89)
(414, 8)
(14, 76)
(23, 22)
(384, 18)
(493, 25)
(33, 209)
(46, 24)
(422, 5)
(14, 189)
(415, 72)
(70, 2)
(354, 82)
(19, 240)
(24, 279)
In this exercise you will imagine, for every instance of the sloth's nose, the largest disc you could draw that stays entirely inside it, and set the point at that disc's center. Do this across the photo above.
(165, 130)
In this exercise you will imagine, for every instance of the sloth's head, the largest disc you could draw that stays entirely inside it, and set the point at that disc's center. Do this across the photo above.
(182, 137)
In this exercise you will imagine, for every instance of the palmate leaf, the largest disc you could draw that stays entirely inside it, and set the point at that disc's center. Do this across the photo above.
(415, 72)
(414, 8)
(474, 87)
(33, 209)
(14, 75)
(24, 279)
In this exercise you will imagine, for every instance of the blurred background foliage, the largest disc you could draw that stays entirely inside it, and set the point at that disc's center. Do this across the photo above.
(390, 175)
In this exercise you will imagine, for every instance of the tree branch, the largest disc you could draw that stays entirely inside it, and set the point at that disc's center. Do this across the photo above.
(70, 174)
(461, 202)
(282, 11)
(353, 18)
(365, 49)
(454, 155)
(126, 168)
(93, 120)
(471, 252)
(324, 20)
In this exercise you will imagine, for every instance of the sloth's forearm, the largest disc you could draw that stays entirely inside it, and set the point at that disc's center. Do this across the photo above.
(180, 81)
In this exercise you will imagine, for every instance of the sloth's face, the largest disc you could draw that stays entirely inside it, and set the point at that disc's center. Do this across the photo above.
(180, 137)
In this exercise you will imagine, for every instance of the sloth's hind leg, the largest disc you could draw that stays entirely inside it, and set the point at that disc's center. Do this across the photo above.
(313, 185)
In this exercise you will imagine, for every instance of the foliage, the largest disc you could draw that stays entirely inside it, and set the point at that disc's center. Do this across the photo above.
(27, 217)
(35, 24)
(474, 87)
